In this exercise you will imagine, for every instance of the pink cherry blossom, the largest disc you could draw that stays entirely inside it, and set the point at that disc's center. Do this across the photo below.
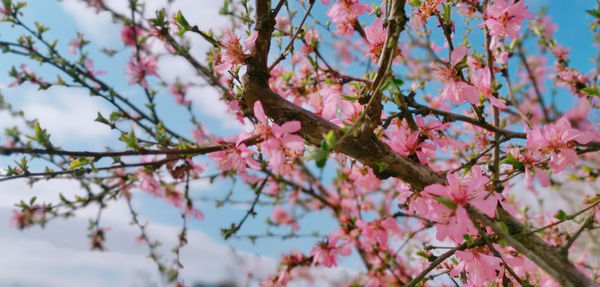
(482, 80)
(505, 18)
(454, 223)
(376, 38)
(365, 179)
(130, 36)
(89, 66)
(194, 212)
(279, 141)
(149, 183)
(281, 216)
(238, 158)
(547, 26)
(139, 69)
(27, 217)
(344, 51)
(96, 4)
(178, 90)
(481, 267)
(174, 198)
(312, 39)
(376, 232)
(331, 94)
(27, 75)
(75, 44)
(233, 53)
(344, 15)
(424, 11)
(406, 142)
(326, 253)
(455, 90)
(282, 23)
(555, 139)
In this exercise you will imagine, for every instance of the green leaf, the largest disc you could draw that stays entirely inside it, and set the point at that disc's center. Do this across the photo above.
(561, 215)
(330, 139)
(115, 116)
(130, 140)
(41, 28)
(446, 12)
(320, 155)
(398, 82)
(503, 242)
(59, 81)
(514, 162)
(595, 13)
(503, 226)
(23, 164)
(591, 91)
(381, 166)
(422, 254)
(100, 118)
(182, 22)
(225, 7)
(445, 201)
(160, 20)
(79, 162)
(40, 135)
(468, 238)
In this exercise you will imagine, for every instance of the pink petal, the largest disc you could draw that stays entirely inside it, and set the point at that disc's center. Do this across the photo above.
(249, 42)
(346, 250)
(585, 137)
(391, 225)
(259, 112)
(470, 93)
(436, 189)
(464, 255)
(457, 55)
(242, 137)
(542, 175)
(291, 126)
(497, 103)
(487, 206)
(293, 142)
(277, 158)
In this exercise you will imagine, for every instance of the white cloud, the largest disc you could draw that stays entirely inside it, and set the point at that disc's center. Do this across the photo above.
(97, 26)
(68, 114)
(207, 100)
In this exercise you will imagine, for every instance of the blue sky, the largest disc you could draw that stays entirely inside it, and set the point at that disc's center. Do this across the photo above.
(69, 114)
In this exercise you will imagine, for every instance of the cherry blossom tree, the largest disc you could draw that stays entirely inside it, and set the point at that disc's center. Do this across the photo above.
(420, 153)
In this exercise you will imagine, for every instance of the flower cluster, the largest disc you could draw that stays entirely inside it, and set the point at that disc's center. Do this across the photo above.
(455, 89)
(233, 53)
(505, 18)
(344, 15)
(279, 141)
(446, 204)
(552, 145)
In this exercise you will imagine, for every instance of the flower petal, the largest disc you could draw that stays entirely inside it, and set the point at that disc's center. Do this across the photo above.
(457, 55)
(259, 112)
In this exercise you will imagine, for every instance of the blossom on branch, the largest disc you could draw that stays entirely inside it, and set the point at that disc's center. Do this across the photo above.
(505, 18)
